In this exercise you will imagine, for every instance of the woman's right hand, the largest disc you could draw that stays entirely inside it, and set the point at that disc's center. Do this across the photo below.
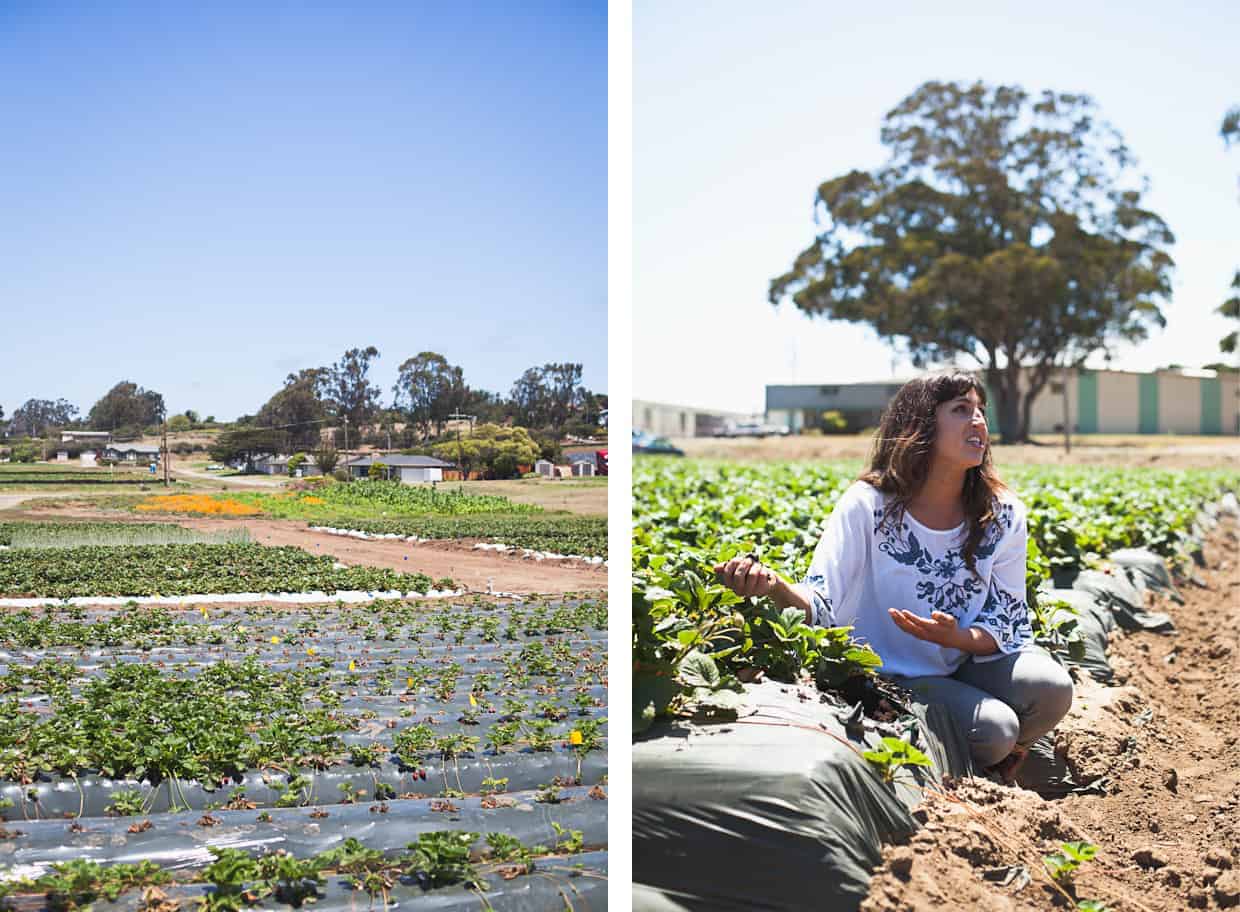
(747, 577)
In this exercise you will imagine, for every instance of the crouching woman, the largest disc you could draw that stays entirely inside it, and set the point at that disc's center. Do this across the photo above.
(924, 556)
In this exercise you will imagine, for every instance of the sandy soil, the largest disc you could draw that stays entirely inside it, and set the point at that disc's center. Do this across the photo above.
(1176, 453)
(479, 571)
(1168, 829)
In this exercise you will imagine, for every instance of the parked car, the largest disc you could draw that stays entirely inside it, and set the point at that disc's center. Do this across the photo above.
(752, 429)
(654, 446)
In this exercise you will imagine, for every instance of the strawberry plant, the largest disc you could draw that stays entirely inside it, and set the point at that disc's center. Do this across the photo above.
(1071, 855)
(893, 755)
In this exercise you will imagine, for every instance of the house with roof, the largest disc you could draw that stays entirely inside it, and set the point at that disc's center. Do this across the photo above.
(405, 469)
(102, 438)
(131, 452)
(278, 465)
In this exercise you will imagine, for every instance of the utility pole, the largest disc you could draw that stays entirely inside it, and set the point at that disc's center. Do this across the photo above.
(460, 453)
(164, 454)
(1067, 427)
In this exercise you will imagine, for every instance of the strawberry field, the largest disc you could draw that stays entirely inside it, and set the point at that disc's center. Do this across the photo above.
(765, 744)
(246, 755)
(689, 516)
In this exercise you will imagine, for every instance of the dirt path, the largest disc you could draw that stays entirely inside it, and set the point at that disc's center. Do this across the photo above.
(1168, 829)
(1148, 452)
(480, 571)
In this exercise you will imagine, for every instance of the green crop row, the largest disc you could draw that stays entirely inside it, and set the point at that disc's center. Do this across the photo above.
(381, 621)
(376, 499)
(78, 534)
(689, 516)
(562, 534)
(142, 570)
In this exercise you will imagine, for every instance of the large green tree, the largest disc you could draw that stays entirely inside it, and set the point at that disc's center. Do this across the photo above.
(546, 396)
(346, 385)
(1004, 228)
(1230, 308)
(429, 389)
(127, 406)
(298, 409)
(36, 416)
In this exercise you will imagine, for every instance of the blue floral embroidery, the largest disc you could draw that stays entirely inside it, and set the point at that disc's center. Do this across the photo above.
(1007, 617)
(995, 530)
(901, 544)
(824, 611)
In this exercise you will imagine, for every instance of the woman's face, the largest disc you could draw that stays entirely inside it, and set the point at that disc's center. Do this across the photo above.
(960, 437)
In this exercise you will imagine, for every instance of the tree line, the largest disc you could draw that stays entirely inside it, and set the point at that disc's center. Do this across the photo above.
(342, 397)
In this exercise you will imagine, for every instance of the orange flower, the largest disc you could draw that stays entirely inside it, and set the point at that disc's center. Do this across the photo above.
(196, 503)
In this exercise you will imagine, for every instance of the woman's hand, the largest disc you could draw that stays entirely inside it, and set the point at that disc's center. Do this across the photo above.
(939, 628)
(747, 577)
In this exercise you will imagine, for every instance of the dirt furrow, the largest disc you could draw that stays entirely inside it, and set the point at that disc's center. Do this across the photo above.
(1163, 740)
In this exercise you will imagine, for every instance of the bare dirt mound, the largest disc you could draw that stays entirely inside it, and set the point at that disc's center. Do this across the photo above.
(1163, 741)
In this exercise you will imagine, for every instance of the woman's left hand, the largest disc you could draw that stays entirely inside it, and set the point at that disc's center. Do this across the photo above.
(939, 628)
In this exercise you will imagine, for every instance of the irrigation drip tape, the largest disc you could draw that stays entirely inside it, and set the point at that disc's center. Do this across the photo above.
(91, 795)
(179, 841)
(557, 882)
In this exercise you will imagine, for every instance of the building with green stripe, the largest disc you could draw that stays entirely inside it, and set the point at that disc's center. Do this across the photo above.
(1097, 402)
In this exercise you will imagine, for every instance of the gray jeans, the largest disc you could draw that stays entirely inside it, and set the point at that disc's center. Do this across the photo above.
(1002, 704)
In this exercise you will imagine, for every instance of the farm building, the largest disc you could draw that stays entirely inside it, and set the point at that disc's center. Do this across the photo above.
(131, 452)
(1098, 402)
(406, 469)
(278, 465)
(100, 437)
(663, 420)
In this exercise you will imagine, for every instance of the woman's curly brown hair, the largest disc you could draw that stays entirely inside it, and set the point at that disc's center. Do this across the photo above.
(900, 459)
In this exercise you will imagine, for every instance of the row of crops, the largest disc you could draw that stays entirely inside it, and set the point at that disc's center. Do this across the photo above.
(690, 639)
(189, 569)
(248, 755)
(372, 499)
(558, 533)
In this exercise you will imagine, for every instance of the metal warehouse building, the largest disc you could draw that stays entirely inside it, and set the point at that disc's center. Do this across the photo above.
(1098, 402)
(665, 420)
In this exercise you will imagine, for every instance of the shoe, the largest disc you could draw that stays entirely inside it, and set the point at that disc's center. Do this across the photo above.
(1007, 768)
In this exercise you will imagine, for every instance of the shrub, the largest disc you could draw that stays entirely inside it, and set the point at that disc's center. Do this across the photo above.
(376, 471)
(504, 466)
(327, 458)
(834, 422)
(295, 462)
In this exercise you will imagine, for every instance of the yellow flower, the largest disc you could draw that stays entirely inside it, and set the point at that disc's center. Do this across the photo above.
(275, 639)
(574, 737)
(352, 665)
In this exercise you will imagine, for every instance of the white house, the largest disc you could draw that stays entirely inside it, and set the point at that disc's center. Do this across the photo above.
(131, 452)
(100, 437)
(405, 469)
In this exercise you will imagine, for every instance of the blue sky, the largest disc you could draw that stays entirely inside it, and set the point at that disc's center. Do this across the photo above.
(738, 116)
(203, 198)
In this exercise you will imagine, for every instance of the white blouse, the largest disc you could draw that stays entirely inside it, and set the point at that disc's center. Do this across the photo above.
(862, 567)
